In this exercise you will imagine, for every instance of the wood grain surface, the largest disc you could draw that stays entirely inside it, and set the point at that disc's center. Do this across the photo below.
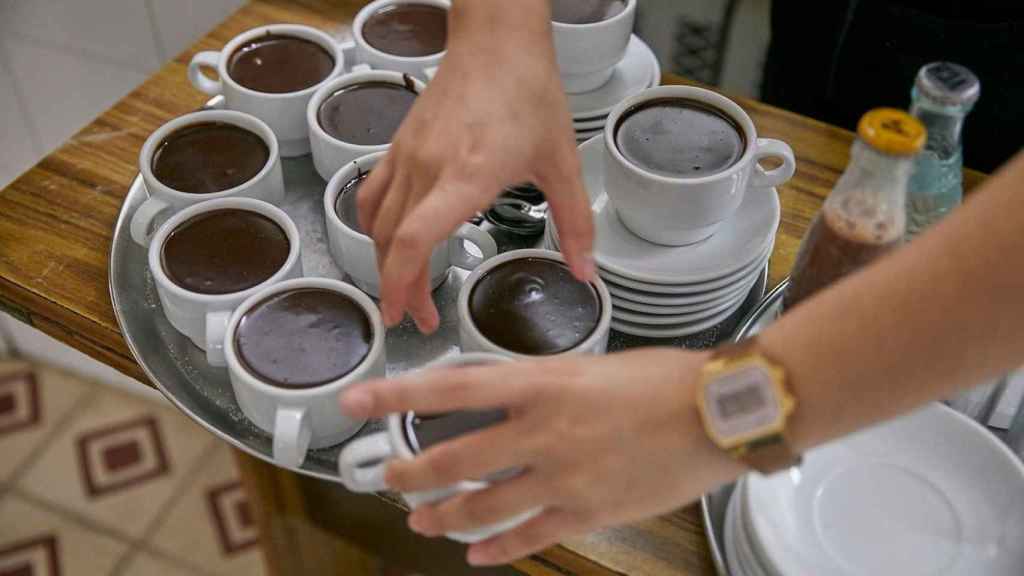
(56, 224)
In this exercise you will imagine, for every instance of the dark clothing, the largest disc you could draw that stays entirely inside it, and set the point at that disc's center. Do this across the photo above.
(835, 59)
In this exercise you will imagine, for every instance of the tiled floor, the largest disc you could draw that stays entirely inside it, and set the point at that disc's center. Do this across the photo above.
(96, 482)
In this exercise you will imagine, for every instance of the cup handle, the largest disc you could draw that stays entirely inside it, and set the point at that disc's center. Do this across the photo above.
(201, 81)
(292, 434)
(362, 462)
(459, 256)
(349, 53)
(142, 221)
(361, 68)
(216, 329)
(771, 148)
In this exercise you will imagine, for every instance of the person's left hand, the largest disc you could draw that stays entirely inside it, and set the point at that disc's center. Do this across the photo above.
(602, 441)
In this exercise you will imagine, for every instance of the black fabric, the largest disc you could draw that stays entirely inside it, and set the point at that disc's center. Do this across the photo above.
(834, 60)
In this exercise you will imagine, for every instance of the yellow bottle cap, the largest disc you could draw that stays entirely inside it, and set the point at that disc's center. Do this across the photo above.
(892, 131)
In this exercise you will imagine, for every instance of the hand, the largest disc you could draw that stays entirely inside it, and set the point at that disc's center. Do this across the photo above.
(494, 115)
(602, 441)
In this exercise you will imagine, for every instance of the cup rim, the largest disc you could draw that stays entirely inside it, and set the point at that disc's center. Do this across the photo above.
(297, 30)
(630, 7)
(249, 204)
(724, 103)
(242, 120)
(372, 8)
(356, 374)
(350, 79)
(466, 319)
(342, 177)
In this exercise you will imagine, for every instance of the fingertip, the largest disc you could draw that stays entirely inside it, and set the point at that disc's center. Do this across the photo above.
(357, 402)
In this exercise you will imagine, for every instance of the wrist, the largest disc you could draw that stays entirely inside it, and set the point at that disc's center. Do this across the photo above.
(519, 25)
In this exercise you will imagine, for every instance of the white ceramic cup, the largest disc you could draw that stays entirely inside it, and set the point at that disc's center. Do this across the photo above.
(588, 53)
(356, 254)
(675, 211)
(362, 52)
(329, 153)
(267, 184)
(362, 462)
(470, 338)
(285, 113)
(308, 418)
(199, 315)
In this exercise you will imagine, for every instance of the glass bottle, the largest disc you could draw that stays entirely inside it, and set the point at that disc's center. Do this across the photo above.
(944, 93)
(865, 215)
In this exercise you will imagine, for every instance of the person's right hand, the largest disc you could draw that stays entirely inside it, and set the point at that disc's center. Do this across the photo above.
(494, 115)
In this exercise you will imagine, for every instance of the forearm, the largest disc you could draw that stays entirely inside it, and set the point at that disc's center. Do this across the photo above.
(942, 314)
(494, 25)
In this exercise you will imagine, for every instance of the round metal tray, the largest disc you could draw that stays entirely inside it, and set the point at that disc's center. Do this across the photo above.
(713, 504)
(179, 369)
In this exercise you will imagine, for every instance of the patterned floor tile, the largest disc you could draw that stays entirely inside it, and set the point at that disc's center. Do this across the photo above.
(213, 524)
(43, 543)
(33, 400)
(143, 564)
(118, 462)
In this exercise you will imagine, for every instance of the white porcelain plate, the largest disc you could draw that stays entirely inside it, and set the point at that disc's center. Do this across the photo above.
(739, 291)
(673, 330)
(667, 319)
(638, 70)
(739, 240)
(932, 492)
(589, 125)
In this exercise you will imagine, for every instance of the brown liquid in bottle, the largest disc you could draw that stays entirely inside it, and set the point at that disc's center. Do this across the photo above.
(835, 246)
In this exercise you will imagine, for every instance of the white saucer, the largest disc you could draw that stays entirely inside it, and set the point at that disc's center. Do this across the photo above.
(728, 280)
(932, 492)
(639, 69)
(645, 319)
(585, 135)
(585, 125)
(750, 232)
(737, 565)
(675, 330)
(625, 303)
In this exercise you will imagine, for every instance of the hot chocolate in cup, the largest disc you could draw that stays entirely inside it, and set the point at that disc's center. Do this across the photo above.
(408, 36)
(527, 303)
(271, 72)
(678, 160)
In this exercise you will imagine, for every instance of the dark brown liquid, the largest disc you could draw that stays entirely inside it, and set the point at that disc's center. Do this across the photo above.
(678, 137)
(209, 157)
(303, 338)
(346, 206)
(368, 114)
(409, 30)
(585, 11)
(534, 306)
(834, 247)
(224, 251)
(279, 64)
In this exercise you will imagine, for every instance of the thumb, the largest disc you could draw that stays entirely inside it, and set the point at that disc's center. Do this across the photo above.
(570, 207)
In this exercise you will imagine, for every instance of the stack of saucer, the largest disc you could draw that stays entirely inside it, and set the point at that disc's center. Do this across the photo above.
(929, 493)
(637, 71)
(670, 291)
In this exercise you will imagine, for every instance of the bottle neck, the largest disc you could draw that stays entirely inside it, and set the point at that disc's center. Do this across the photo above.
(872, 191)
(944, 123)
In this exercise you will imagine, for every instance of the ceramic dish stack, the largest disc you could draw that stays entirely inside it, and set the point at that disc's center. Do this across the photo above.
(638, 71)
(932, 492)
(671, 291)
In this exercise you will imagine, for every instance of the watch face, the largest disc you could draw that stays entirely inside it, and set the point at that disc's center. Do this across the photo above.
(742, 405)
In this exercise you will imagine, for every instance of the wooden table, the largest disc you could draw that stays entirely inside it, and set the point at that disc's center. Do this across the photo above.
(56, 224)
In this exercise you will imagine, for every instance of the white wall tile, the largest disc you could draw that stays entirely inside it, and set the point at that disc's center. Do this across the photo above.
(17, 145)
(116, 31)
(182, 22)
(65, 90)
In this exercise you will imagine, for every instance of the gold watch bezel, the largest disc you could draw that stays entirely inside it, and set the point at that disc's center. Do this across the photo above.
(716, 368)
